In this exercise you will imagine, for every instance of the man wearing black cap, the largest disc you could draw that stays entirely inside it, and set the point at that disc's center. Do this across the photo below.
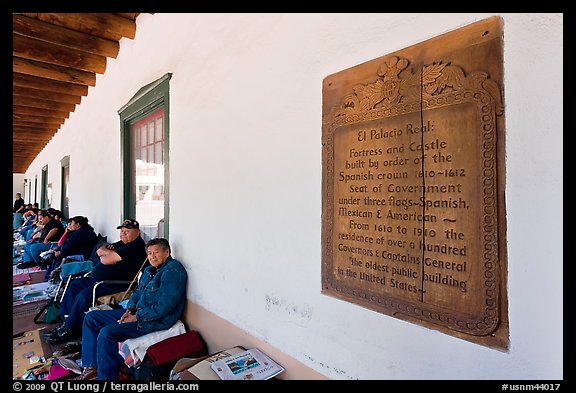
(121, 260)
(118, 261)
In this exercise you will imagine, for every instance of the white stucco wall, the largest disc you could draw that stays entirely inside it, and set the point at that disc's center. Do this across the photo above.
(245, 183)
(18, 185)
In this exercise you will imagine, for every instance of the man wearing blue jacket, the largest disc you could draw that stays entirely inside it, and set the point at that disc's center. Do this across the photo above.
(118, 261)
(156, 304)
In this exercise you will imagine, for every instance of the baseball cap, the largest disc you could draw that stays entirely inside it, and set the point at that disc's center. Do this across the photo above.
(129, 223)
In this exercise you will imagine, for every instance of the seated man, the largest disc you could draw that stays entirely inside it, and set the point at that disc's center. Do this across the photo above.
(52, 230)
(79, 239)
(29, 217)
(118, 261)
(156, 304)
(30, 224)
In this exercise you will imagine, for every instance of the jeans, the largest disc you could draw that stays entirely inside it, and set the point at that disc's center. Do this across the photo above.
(101, 334)
(27, 233)
(78, 299)
(17, 220)
(25, 229)
(32, 251)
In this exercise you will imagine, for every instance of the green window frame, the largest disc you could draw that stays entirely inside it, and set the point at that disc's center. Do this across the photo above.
(148, 99)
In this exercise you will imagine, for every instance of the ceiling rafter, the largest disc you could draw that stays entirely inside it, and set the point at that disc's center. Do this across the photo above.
(56, 56)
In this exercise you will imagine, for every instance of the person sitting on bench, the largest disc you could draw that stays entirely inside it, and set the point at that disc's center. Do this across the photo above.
(118, 261)
(51, 232)
(156, 304)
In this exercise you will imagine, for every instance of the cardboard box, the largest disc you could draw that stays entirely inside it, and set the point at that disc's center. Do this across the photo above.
(27, 352)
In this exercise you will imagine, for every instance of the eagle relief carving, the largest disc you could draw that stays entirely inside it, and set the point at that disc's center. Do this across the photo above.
(399, 85)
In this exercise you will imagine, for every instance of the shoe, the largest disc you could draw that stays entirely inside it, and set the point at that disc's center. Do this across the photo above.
(45, 333)
(45, 264)
(26, 265)
(89, 373)
(71, 347)
(52, 332)
(61, 336)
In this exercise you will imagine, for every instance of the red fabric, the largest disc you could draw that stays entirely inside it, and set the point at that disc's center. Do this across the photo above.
(124, 375)
(20, 278)
(188, 344)
(56, 372)
(62, 238)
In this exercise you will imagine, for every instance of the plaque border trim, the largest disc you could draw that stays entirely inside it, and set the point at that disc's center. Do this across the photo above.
(484, 94)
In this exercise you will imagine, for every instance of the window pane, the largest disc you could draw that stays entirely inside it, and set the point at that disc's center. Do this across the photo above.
(159, 133)
(150, 157)
(158, 156)
(150, 132)
(148, 162)
(136, 135)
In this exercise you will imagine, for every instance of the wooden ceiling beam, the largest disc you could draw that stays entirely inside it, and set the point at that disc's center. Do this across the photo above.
(21, 158)
(21, 162)
(25, 151)
(21, 166)
(36, 82)
(18, 167)
(34, 138)
(38, 140)
(108, 26)
(43, 104)
(38, 119)
(22, 123)
(46, 52)
(31, 142)
(22, 133)
(56, 56)
(62, 36)
(25, 135)
(21, 128)
(25, 126)
(25, 145)
(46, 95)
(128, 15)
(52, 71)
(28, 110)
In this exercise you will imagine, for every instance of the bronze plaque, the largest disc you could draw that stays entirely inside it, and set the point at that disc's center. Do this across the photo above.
(413, 203)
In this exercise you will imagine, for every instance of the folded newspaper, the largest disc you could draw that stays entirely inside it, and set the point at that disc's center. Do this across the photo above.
(249, 364)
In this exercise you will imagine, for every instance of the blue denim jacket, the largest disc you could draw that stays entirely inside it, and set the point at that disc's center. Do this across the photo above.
(160, 298)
